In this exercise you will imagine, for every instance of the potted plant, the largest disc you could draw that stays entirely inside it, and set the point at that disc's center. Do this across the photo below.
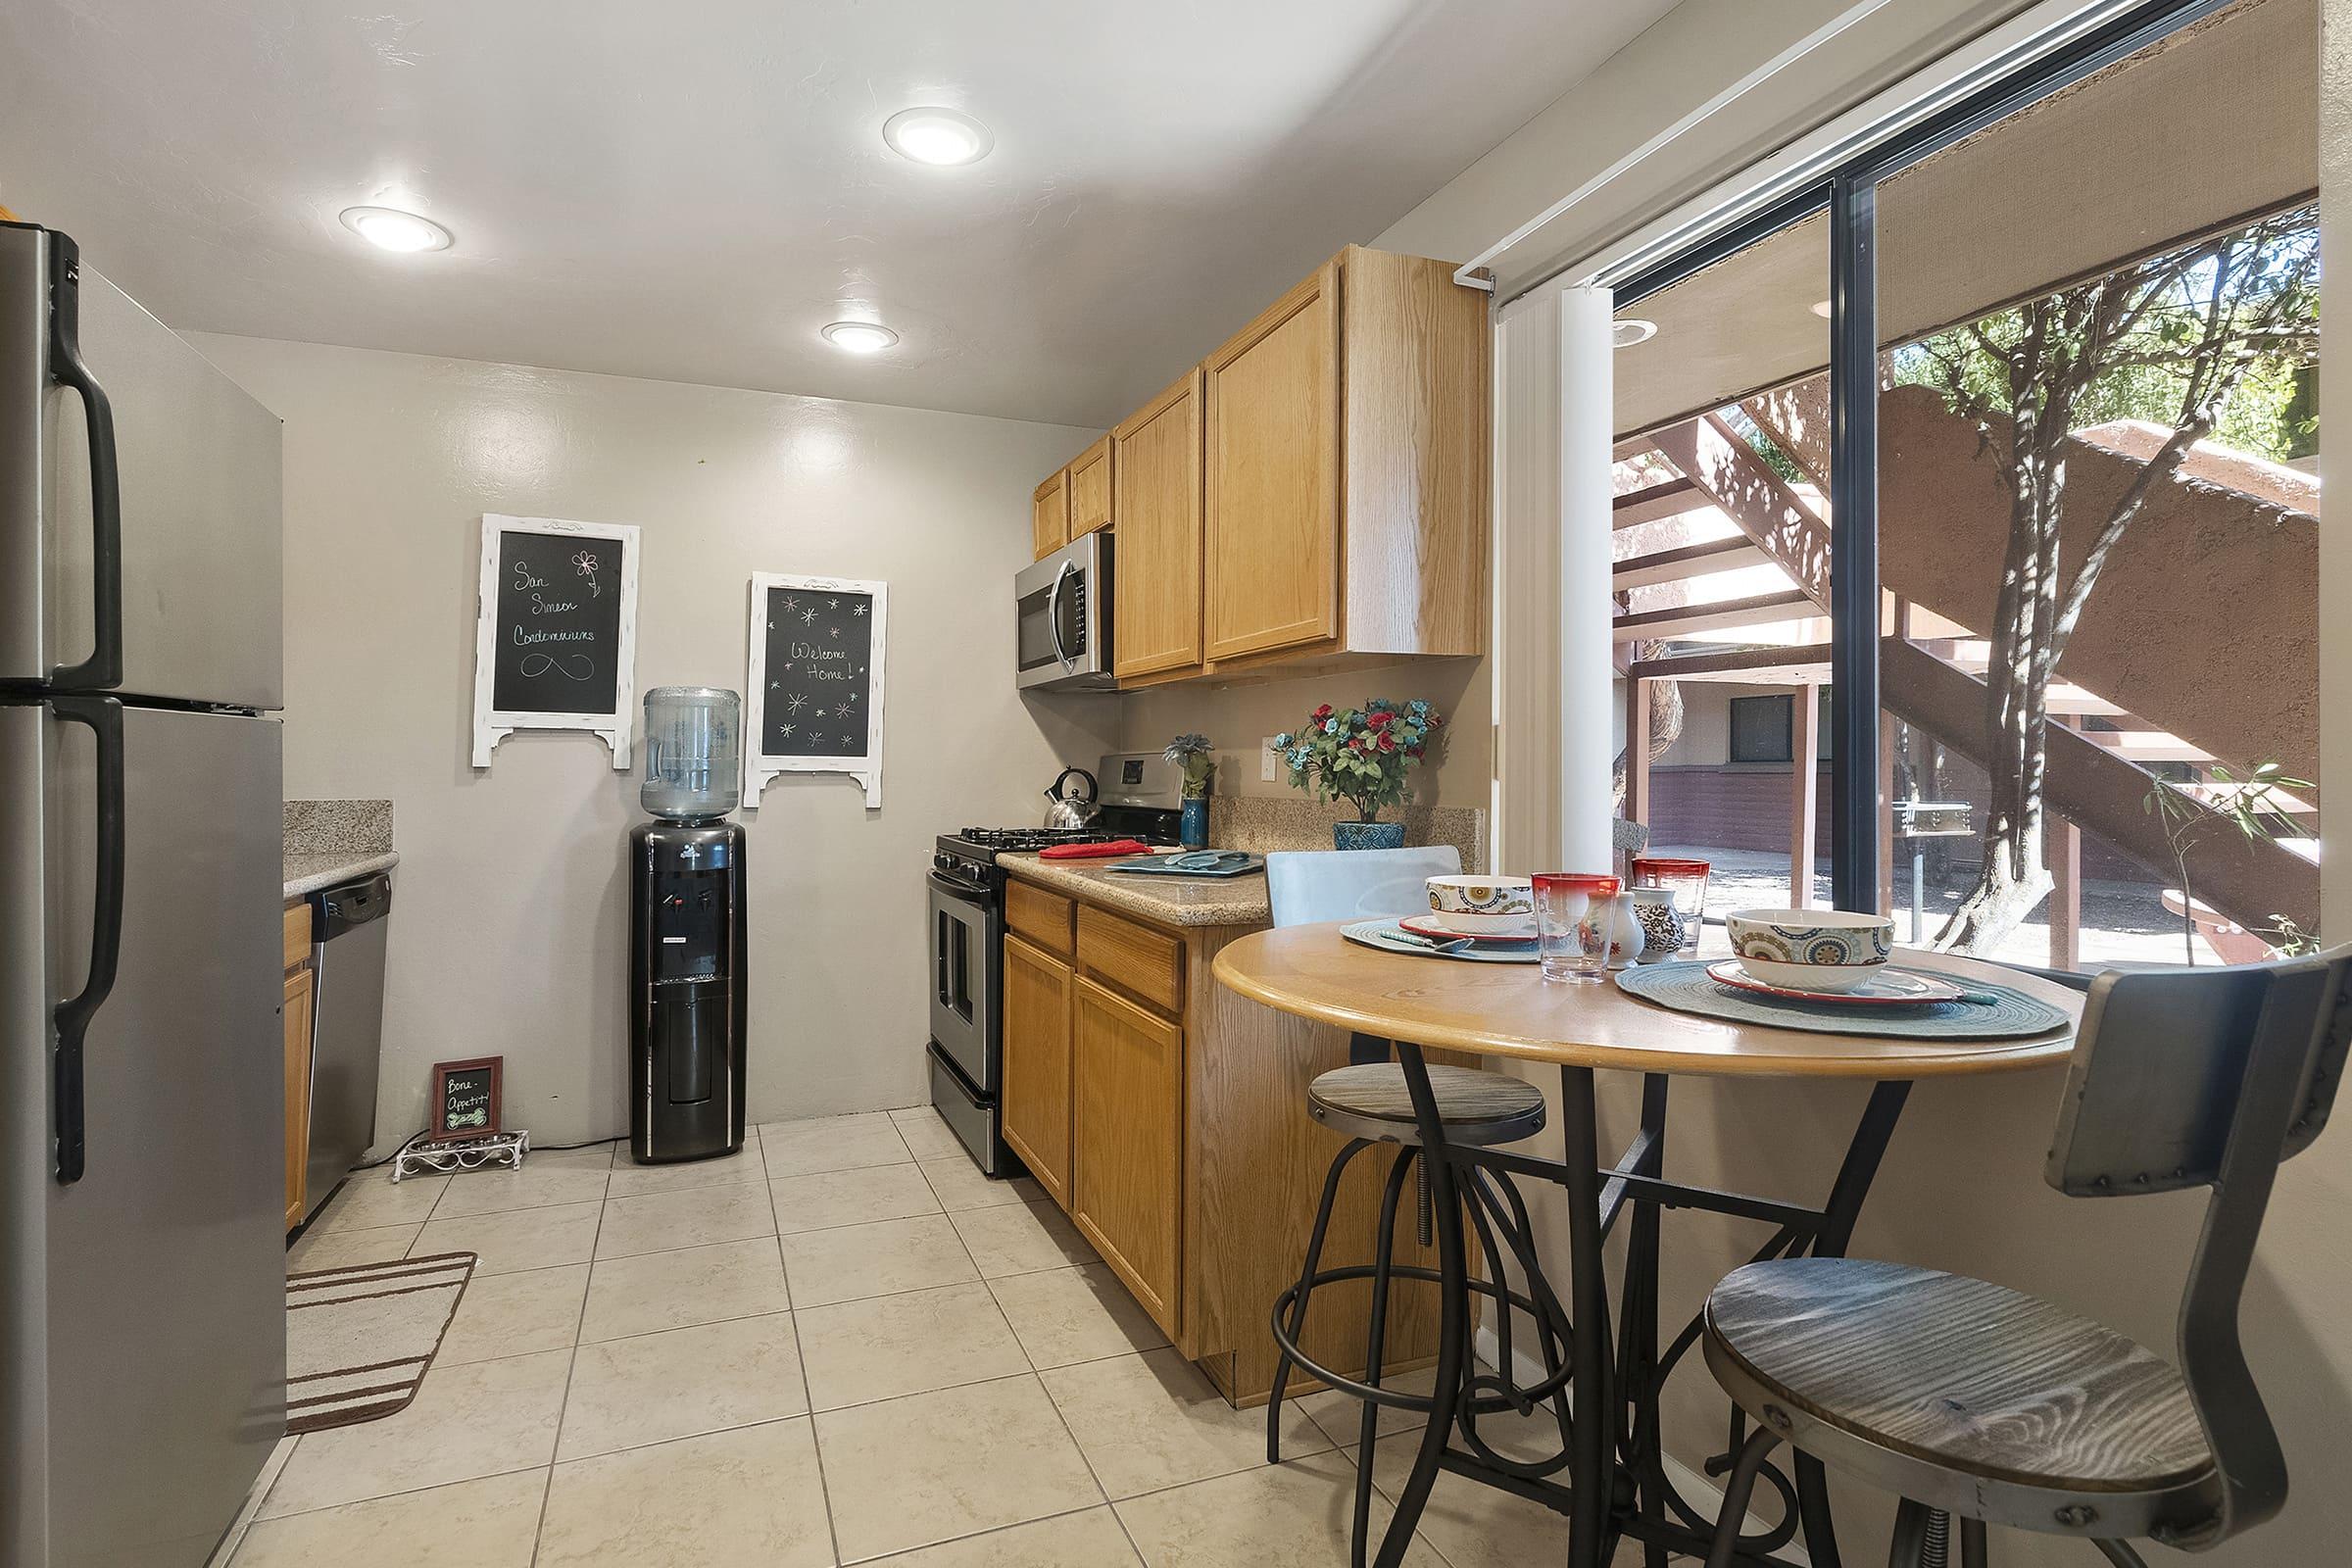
(1192, 753)
(1361, 755)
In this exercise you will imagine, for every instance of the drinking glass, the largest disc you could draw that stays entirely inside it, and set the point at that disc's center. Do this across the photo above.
(1686, 882)
(1576, 922)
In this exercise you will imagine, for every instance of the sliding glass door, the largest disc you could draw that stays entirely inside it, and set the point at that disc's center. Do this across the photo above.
(2005, 439)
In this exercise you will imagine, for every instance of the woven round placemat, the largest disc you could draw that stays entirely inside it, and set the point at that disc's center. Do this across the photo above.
(1685, 987)
(1389, 937)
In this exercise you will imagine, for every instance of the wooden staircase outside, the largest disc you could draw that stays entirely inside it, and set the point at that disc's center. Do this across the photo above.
(2095, 775)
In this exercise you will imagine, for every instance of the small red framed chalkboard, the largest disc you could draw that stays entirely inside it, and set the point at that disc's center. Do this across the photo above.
(466, 1098)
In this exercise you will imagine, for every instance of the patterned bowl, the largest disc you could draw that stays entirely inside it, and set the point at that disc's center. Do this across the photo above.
(1811, 950)
(1489, 906)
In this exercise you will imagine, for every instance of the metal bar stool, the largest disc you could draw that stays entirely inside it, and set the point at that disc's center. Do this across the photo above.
(1970, 1400)
(1370, 1105)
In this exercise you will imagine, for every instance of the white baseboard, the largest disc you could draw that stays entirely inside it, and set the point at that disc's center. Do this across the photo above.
(1526, 1370)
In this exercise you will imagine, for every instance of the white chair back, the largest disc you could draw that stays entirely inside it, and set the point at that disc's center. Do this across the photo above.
(1307, 886)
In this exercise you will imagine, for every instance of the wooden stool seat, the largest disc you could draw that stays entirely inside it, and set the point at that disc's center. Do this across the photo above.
(1478, 1107)
(1955, 1387)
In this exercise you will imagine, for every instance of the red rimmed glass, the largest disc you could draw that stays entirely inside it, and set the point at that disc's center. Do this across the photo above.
(1686, 882)
(1576, 921)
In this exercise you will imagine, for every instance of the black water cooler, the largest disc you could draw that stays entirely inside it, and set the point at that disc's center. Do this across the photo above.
(686, 935)
(686, 949)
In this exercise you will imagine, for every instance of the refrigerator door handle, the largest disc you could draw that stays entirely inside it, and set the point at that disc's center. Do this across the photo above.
(104, 667)
(103, 716)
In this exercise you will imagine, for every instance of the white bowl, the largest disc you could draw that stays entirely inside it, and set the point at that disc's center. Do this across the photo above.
(1810, 949)
(1506, 896)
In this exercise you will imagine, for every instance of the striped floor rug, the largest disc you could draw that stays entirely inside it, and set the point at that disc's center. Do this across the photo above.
(358, 1340)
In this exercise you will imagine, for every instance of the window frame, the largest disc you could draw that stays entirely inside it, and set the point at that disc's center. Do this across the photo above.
(1849, 194)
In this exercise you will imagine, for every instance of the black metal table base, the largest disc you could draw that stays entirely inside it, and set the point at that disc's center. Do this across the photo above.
(1617, 1485)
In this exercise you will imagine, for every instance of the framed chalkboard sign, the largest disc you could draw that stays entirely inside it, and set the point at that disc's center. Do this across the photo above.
(555, 637)
(816, 680)
(466, 1098)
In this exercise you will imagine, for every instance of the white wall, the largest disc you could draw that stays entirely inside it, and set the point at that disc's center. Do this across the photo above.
(509, 925)
(1961, 1188)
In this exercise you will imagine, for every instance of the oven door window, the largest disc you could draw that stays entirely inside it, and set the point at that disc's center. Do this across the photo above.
(963, 1008)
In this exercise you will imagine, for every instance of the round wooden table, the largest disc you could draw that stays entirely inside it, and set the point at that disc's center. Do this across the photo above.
(1617, 1485)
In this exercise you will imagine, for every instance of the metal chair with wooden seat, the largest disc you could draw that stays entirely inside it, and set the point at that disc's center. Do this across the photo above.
(1368, 1104)
(1982, 1404)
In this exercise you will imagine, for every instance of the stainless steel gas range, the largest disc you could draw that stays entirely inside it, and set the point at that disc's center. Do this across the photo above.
(966, 940)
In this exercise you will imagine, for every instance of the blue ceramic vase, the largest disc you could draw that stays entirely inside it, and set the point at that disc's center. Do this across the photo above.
(1193, 826)
(1368, 835)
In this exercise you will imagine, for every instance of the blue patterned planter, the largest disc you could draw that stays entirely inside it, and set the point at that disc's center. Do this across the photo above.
(1368, 835)
(1193, 826)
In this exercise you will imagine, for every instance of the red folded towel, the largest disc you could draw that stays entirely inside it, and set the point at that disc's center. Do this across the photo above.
(1094, 852)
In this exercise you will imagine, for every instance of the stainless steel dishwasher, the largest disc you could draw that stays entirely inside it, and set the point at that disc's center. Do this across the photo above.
(351, 922)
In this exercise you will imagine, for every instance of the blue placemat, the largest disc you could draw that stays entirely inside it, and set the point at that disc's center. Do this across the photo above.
(1389, 937)
(1195, 862)
(1686, 988)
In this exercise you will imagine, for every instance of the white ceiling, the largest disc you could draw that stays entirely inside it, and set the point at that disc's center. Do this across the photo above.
(689, 190)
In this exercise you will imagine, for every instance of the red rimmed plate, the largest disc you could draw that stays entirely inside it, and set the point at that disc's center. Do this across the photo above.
(1888, 988)
(1436, 930)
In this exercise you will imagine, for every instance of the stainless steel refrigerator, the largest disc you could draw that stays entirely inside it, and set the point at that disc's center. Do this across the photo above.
(141, 1066)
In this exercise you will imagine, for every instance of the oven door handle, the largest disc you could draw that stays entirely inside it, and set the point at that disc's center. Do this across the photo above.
(955, 888)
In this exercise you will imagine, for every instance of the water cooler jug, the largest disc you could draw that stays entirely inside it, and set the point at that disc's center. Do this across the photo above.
(686, 932)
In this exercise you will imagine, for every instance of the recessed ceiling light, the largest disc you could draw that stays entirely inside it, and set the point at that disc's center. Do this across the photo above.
(860, 337)
(1821, 310)
(942, 136)
(1629, 330)
(395, 230)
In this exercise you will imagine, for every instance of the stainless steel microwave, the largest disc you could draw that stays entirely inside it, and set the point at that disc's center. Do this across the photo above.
(1061, 606)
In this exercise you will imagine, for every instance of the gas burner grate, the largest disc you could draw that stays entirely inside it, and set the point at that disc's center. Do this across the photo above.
(1029, 838)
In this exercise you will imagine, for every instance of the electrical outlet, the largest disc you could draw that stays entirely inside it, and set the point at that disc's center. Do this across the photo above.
(1266, 757)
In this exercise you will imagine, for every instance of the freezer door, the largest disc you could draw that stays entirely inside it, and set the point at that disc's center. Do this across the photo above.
(146, 1296)
(195, 462)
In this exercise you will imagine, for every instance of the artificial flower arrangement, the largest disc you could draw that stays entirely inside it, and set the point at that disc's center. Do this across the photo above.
(1192, 753)
(1360, 755)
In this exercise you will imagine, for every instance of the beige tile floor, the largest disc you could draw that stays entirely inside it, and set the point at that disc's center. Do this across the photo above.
(839, 1346)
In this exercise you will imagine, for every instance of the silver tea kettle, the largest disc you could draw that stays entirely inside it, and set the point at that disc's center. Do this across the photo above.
(1072, 811)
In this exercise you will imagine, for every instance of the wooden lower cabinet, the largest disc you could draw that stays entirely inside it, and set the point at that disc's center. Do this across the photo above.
(300, 992)
(1035, 1105)
(1167, 1117)
(1127, 1177)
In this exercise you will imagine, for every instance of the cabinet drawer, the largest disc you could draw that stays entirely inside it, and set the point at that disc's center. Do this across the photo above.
(1135, 958)
(298, 934)
(1040, 916)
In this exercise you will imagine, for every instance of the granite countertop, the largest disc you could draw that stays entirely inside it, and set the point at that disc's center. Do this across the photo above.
(326, 842)
(1163, 900)
(1256, 823)
(309, 871)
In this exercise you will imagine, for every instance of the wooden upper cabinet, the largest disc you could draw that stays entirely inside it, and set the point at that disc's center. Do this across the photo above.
(1271, 477)
(1049, 515)
(1417, 456)
(1091, 473)
(1156, 478)
(1318, 489)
